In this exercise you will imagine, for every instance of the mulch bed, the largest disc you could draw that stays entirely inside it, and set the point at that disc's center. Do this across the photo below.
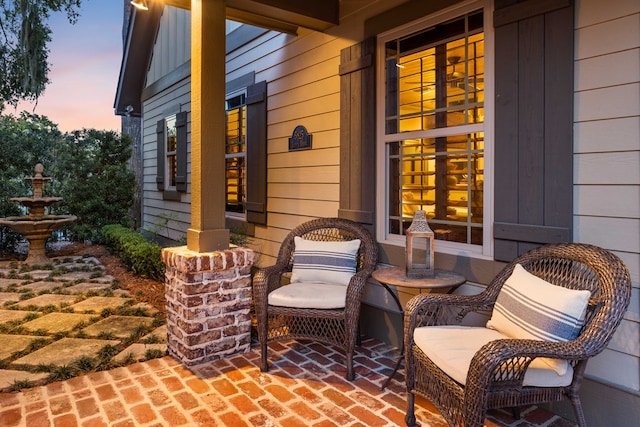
(146, 290)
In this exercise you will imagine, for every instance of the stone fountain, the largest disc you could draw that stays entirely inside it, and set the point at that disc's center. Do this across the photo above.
(37, 226)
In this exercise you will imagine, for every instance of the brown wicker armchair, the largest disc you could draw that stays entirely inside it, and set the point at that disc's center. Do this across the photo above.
(335, 326)
(496, 372)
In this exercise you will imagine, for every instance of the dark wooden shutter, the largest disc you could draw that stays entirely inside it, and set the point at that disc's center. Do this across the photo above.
(160, 127)
(256, 157)
(533, 124)
(181, 151)
(358, 132)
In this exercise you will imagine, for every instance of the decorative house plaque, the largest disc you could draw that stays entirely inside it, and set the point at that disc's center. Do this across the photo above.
(300, 139)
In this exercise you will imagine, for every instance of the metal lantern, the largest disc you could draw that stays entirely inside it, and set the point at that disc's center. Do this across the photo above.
(419, 264)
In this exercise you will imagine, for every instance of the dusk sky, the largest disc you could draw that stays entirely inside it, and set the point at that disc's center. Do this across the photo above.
(84, 65)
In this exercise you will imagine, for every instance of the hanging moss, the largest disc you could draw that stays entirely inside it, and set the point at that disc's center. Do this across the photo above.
(24, 36)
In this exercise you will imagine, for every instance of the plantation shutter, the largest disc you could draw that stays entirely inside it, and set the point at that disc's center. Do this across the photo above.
(160, 129)
(357, 132)
(181, 151)
(534, 124)
(256, 157)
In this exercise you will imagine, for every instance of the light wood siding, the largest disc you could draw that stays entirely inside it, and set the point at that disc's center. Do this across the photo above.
(607, 159)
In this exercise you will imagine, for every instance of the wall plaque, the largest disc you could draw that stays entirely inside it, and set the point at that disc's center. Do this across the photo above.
(300, 139)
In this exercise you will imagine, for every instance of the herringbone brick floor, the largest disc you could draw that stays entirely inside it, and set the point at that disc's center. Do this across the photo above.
(304, 387)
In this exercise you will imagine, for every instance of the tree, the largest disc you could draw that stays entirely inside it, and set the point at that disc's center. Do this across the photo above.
(90, 173)
(24, 35)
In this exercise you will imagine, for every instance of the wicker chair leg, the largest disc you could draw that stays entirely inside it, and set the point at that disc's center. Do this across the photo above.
(577, 410)
(516, 412)
(263, 357)
(410, 418)
(350, 374)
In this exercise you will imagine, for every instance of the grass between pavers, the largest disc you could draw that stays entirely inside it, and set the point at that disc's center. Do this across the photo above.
(57, 278)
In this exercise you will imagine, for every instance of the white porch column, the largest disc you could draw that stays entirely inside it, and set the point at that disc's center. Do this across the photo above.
(207, 232)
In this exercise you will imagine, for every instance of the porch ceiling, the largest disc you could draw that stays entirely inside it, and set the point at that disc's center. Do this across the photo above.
(281, 15)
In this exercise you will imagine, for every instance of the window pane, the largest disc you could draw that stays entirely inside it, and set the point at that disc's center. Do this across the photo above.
(172, 169)
(235, 184)
(435, 79)
(172, 136)
(442, 176)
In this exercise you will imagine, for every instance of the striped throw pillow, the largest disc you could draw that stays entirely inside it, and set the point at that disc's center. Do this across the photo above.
(324, 262)
(529, 307)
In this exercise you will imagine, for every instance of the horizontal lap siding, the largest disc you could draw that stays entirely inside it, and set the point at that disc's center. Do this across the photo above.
(169, 219)
(607, 159)
(303, 89)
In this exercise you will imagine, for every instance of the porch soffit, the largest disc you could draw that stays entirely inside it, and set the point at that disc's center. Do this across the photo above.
(281, 15)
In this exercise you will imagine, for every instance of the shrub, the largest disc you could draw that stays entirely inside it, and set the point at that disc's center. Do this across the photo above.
(139, 256)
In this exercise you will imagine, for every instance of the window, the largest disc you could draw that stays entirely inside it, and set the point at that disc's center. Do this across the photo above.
(235, 169)
(171, 161)
(432, 131)
(171, 146)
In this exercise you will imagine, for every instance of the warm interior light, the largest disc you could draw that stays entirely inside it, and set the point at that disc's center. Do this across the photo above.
(140, 4)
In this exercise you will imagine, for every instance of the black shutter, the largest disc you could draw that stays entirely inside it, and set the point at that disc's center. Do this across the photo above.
(533, 124)
(181, 151)
(160, 127)
(256, 157)
(357, 132)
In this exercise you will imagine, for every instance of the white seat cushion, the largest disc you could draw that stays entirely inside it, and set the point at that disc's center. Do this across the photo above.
(309, 295)
(453, 347)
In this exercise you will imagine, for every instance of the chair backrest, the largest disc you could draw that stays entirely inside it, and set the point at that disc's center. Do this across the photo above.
(332, 230)
(581, 266)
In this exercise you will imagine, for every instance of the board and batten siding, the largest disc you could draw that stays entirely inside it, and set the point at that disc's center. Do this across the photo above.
(607, 159)
(173, 43)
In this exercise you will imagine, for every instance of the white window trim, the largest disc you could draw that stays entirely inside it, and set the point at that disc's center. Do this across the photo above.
(382, 228)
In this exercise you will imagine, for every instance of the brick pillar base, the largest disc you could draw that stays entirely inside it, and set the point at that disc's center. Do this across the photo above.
(208, 303)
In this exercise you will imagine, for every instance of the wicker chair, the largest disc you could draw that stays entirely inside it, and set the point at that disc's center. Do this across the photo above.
(496, 371)
(336, 326)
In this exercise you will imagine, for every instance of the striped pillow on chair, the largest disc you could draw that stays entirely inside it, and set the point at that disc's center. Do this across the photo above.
(528, 307)
(324, 262)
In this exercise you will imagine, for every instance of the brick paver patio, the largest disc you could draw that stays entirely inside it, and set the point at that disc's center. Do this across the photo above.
(305, 386)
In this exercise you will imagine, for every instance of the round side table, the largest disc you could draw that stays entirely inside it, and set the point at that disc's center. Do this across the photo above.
(397, 276)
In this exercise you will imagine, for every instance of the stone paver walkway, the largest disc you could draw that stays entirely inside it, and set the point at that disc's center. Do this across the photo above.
(69, 318)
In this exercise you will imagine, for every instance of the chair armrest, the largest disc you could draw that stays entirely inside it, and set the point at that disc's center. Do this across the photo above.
(431, 309)
(506, 360)
(266, 280)
(355, 288)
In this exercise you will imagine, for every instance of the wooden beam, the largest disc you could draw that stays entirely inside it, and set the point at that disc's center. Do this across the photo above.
(280, 15)
(182, 4)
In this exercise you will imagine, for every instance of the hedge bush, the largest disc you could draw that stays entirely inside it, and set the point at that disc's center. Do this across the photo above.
(141, 257)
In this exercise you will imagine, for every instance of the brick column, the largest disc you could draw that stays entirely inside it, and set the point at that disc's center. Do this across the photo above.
(208, 302)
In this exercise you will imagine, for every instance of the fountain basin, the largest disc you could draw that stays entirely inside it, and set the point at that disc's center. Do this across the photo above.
(36, 205)
(37, 232)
